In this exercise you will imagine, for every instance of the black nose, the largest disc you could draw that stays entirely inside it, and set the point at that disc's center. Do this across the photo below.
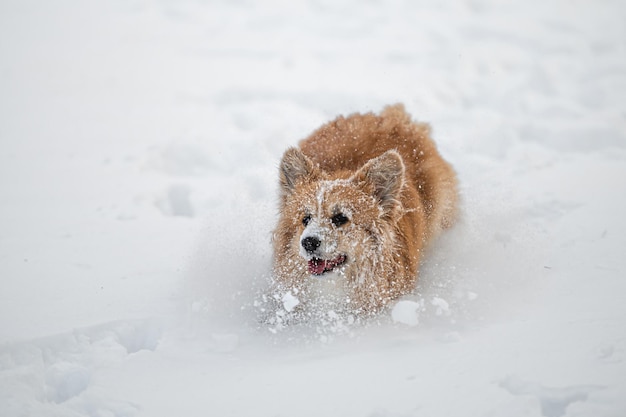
(310, 244)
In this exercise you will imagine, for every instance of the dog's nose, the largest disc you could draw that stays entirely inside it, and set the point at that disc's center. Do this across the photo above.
(310, 244)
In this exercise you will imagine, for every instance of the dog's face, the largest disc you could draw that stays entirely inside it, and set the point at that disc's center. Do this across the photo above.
(334, 215)
(334, 223)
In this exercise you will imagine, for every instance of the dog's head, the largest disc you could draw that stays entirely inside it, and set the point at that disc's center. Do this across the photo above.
(334, 220)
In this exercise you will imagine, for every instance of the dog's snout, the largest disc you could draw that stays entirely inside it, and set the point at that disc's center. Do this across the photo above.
(310, 244)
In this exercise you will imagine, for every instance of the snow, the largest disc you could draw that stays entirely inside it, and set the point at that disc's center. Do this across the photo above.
(138, 191)
(405, 312)
(290, 301)
(554, 401)
(443, 308)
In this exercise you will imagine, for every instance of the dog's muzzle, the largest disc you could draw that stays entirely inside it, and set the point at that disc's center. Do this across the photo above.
(318, 265)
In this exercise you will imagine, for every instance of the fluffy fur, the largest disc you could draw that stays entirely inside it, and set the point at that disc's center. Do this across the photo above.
(359, 201)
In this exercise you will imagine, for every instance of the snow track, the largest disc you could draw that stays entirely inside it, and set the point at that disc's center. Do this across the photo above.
(59, 375)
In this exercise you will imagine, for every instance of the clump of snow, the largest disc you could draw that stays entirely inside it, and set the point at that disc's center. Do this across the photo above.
(406, 312)
(289, 301)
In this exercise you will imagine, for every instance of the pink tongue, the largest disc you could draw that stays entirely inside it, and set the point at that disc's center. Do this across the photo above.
(317, 266)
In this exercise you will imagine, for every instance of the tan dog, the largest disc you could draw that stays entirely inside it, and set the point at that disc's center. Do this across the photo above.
(360, 200)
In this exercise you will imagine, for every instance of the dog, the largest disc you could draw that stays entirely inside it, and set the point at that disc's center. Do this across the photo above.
(359, 201)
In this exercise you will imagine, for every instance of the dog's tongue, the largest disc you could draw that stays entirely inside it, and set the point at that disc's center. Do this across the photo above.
(317, 266)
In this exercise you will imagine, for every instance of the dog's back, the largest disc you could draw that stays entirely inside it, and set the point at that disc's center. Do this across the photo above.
(345, 144)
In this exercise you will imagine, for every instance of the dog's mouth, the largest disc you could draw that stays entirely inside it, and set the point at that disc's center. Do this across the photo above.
(319, 266)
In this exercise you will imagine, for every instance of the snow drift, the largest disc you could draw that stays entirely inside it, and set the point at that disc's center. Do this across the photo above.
(140, 142)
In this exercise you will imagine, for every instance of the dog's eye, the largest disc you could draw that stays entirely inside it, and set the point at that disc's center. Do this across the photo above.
(339, 219)
(306, 219)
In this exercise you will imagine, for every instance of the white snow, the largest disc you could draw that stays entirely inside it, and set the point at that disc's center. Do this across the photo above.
(140, 142)
(290, 301)
(406, 312)
(443, 308)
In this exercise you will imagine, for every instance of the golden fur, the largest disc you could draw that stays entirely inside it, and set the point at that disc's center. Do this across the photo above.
(359, 201)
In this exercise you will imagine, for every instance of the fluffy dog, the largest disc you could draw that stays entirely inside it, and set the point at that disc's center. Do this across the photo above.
(359, 201)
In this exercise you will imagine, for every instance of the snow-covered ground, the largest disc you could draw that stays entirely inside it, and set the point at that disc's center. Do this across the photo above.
(139, 142)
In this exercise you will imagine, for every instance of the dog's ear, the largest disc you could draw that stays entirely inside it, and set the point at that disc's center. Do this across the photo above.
(294, 167)
(386, 175)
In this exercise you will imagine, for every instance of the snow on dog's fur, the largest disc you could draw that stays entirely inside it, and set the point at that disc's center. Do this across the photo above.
(359, 201)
